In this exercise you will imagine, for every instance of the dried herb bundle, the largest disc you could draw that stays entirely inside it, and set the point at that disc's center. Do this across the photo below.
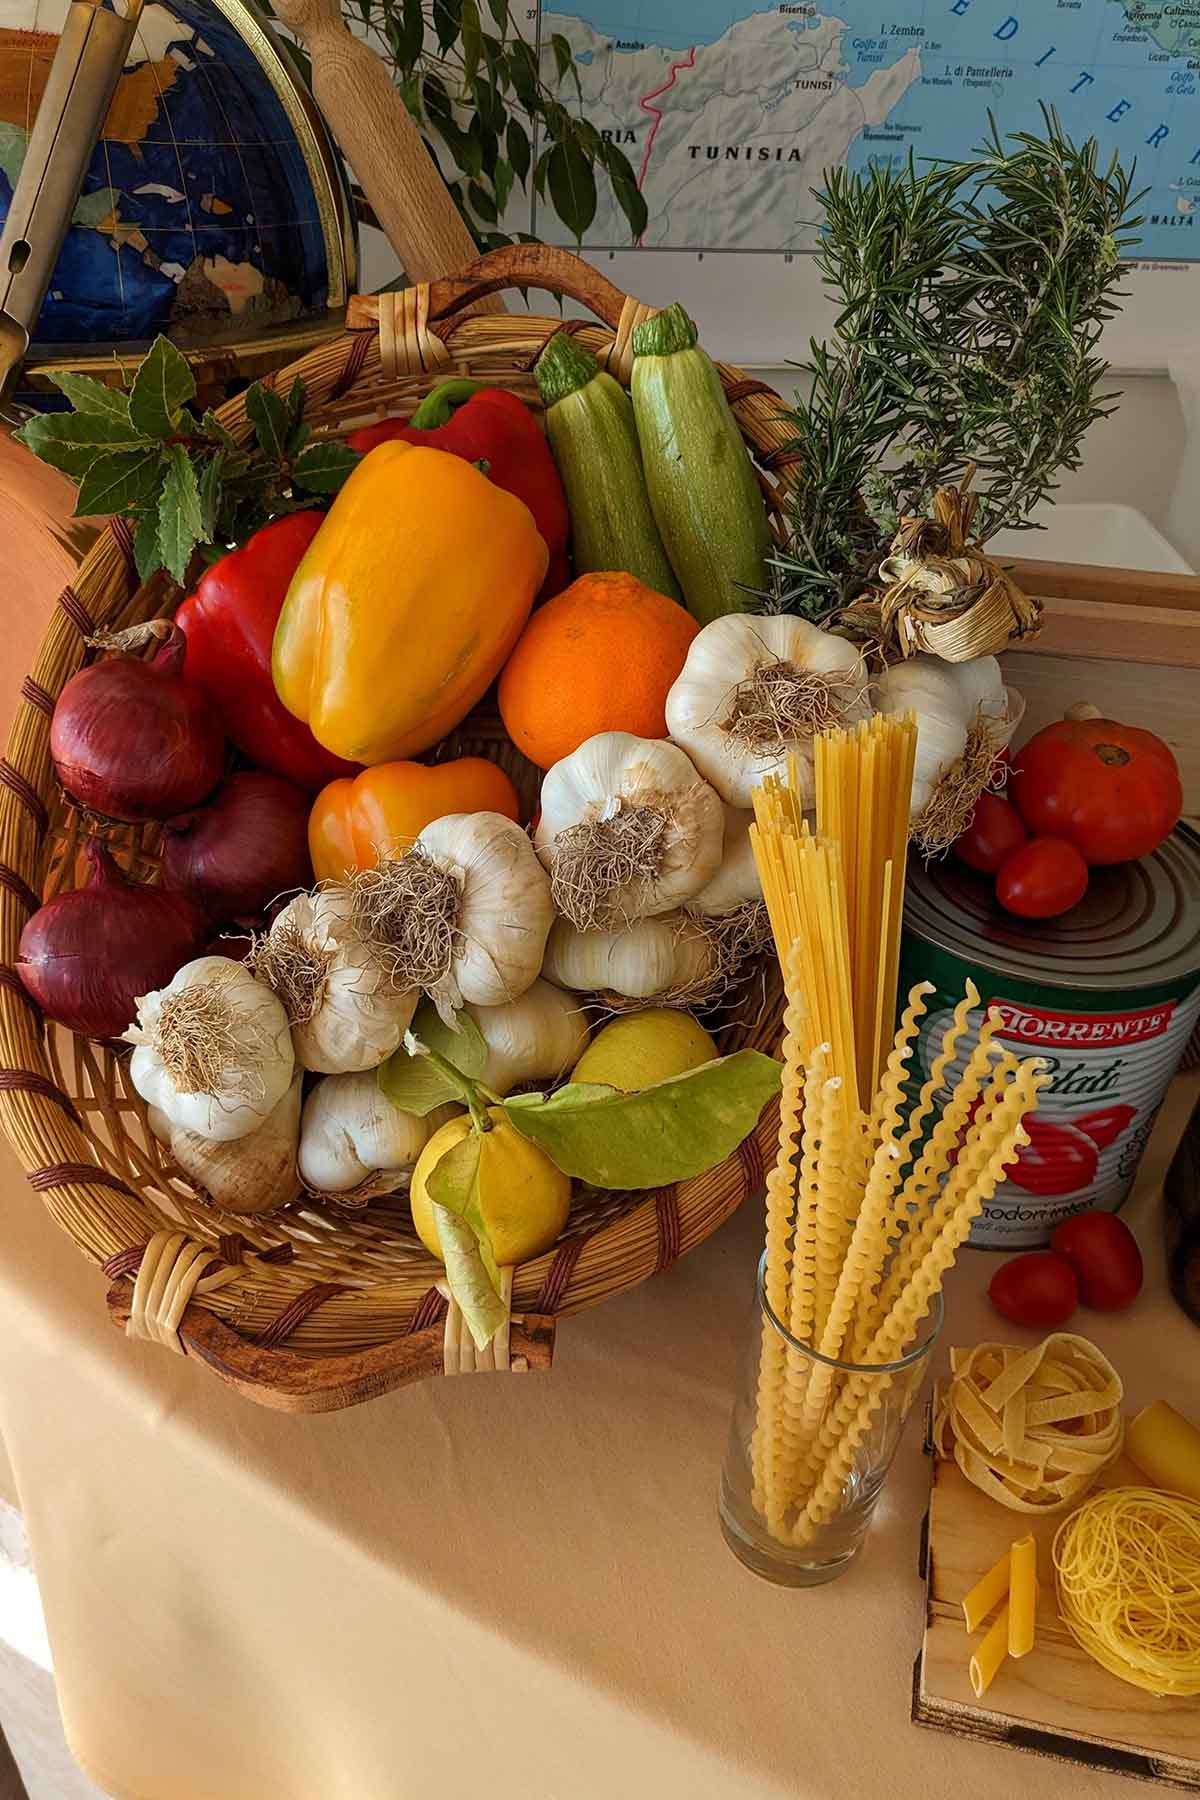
(973, 297)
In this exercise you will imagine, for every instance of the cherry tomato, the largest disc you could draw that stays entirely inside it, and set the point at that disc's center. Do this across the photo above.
(1104, 1255)
(1038, 1289)
(1042, 878)
(995, 830)
(1111, 790)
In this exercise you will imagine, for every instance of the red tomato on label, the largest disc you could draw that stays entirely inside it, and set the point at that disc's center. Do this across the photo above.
(1042, 878)
(1038, 1289)
(1111, 790)
(1104, 1255)
(996, 829)
(1105, 1126)
(1058, 1159)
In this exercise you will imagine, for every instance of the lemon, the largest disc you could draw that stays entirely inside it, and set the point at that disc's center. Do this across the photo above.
(634, 1052)
(523, 1198)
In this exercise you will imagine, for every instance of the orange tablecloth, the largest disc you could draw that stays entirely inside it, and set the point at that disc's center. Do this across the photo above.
(504, 1585)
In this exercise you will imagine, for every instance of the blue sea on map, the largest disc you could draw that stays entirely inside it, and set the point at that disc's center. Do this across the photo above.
(1124, 71)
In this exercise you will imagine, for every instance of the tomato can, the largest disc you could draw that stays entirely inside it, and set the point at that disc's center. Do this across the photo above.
(1108, 995)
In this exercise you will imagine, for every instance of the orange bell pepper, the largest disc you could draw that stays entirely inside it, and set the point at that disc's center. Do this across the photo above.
(381, 812)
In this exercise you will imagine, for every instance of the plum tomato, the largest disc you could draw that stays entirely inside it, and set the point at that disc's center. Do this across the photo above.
(995, 830)
(1103, 1252)
(1042, 878)
(1038, 1289)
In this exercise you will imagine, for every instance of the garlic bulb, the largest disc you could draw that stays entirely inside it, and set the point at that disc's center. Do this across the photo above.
(214, 1050)
(338, 988)
(736, 882)
(628, 830)
(535, 1038)
(504, 908)
(350, 1130)
(667, 954)
(947, 699)
(755, 688)
(254, 1174)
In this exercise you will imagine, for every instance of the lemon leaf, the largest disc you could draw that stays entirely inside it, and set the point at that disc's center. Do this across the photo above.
(454, 1188)
(468, 1277)
(669, 1132)
(414, 1083)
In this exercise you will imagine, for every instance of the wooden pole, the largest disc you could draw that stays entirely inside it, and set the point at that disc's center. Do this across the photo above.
(370, 121)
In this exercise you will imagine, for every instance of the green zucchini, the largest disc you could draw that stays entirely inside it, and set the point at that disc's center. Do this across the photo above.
(589, 420)
(703, 490)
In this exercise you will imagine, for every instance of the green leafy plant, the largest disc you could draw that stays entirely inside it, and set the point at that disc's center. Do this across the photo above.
(475, 85)
(183, 481)
(972, 299)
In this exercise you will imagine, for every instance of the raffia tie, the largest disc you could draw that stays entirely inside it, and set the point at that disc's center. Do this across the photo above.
(943, 594)
(459, 1355)
(171, 1273)
(619, 360)
(407, 346)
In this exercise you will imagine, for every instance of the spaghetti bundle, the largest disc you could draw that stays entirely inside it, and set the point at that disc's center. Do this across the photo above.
(1127, 1565)
(871, 1196)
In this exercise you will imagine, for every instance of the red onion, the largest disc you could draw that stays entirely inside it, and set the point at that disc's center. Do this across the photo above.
(88, 955)
(249, 844)
(131, 739)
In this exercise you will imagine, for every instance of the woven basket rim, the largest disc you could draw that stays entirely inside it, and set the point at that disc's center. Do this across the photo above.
(55, 1146)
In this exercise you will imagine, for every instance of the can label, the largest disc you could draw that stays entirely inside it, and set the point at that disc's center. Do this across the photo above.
(1108, 1073)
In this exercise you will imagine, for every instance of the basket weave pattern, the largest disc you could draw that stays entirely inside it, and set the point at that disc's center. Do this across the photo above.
(334, 1289)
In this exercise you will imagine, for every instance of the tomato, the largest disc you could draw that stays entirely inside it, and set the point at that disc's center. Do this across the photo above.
(1042, 878)
(1105, 1125)
(1104, 1255)
(1060, 1158)
(1037, 1289)
(1111, 790)
(995, 829)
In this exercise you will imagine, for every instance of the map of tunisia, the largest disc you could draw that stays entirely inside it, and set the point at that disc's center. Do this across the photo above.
(725, 155)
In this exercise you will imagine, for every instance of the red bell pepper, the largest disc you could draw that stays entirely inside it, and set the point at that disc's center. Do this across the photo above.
(229, 622)
(489, 425)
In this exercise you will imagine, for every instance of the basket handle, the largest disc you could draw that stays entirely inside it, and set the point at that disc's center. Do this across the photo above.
(541, 266)
(289, 1382)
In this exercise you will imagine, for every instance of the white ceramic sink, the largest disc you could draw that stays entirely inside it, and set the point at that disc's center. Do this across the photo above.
(1115, 536)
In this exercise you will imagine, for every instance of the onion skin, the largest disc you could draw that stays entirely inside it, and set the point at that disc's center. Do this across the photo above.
(238, 853)
(86, 956)
(132, 740)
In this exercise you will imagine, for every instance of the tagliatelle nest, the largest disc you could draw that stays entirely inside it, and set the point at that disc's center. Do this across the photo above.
(410, 909)
(205, 1046)
(293, 967)
(947, 812)
(780, 705)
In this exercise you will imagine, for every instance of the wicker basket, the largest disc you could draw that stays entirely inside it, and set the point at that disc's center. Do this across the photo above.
(316, 1308)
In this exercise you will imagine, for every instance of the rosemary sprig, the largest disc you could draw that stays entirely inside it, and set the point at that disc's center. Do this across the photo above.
(973, 296)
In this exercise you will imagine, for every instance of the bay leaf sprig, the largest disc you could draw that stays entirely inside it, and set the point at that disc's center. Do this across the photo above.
(181, 479)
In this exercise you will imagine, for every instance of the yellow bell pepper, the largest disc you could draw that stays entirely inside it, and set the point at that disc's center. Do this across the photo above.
(406, 604)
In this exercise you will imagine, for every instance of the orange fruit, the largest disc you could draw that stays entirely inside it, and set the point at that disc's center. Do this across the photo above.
(600, 656)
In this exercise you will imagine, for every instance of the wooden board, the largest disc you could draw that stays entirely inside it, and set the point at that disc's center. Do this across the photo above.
(1056, 1701)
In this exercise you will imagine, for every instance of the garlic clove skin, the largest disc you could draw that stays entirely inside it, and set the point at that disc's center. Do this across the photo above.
(736, 882)
(254, 1174)
(537, 1037)
(708, 699)
(616, 771)
(653, 956)
(349, 1130)
(360, 1019)
(258, 1066)
(946, 699)
(505, 911)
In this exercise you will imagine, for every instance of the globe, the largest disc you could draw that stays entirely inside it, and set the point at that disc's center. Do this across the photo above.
(214, 207)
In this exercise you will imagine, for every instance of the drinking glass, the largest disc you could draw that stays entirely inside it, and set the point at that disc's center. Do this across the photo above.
(811, 1440)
